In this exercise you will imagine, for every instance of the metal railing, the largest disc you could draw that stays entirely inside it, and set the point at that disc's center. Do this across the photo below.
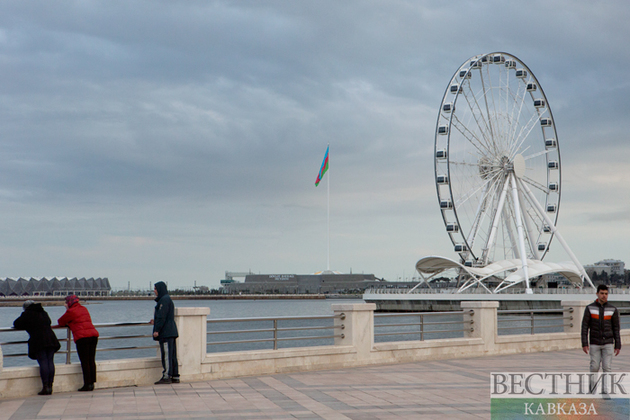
(66, 342)
(624, 317)
(481, 291)
(532, 322)
(424, 327)
(273, 333)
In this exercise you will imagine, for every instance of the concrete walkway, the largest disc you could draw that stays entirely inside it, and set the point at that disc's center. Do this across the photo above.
(449, 389)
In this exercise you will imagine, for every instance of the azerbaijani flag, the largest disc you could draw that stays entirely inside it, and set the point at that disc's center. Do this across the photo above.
(323, 169)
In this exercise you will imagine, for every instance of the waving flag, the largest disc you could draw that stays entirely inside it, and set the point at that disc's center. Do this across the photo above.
(323, 169)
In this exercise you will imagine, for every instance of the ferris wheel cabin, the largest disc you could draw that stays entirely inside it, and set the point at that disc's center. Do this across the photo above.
(550, 143)
(456, 88)
(461, 248)
(452, 227)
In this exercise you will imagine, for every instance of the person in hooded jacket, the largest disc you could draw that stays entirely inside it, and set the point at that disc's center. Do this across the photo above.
(78, 319)
(42, 342)
(165, 332)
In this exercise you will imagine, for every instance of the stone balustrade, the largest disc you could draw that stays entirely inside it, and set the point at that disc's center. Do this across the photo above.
(356, 348)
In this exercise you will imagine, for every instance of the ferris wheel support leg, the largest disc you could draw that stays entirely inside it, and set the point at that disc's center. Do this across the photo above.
(495, 223)
(528, 229)
(521, 234)
(555, 231)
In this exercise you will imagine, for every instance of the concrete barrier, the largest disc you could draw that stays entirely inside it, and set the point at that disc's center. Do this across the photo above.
(356, 348)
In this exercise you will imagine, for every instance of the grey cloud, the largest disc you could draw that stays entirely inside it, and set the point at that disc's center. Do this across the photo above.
(171, 122)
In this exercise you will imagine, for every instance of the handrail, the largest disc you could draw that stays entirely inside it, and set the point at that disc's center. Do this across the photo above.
(381, 315)
(280, 318)
(275, 329)
(68, 339)
(422, 324)
(455, 291)
(530, 318)
(538, 311)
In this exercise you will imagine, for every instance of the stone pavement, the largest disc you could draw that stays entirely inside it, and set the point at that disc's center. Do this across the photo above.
(448, 389)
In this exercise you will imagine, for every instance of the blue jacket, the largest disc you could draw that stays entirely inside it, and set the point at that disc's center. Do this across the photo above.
(164, 315)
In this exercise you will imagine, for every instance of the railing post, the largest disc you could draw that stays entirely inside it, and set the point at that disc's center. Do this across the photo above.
(358, 327)
(531, 314)
(421, 327)
(275, 334)
(483, 314)
(68, 346)
(578, 307)
(1, 359)
(192, 326)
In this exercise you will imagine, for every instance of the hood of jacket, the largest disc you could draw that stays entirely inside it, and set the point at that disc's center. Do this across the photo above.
(35, 307)
(160, 286)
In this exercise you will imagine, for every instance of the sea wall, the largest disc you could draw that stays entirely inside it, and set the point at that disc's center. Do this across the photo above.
(433, 305)
(354, 348)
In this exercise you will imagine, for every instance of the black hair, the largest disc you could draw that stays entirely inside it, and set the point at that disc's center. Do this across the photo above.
(602, 287)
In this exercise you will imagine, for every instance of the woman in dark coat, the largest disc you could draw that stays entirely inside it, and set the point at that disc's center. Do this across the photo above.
(78, 319)
(42, 342)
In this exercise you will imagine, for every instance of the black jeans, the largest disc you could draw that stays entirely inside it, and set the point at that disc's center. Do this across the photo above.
(86, 348)
(169, 367)
(46, 361)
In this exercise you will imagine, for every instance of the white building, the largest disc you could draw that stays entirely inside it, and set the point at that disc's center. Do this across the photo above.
(610, 267)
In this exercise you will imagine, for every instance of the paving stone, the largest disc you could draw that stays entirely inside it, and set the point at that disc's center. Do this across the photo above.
(451, 389)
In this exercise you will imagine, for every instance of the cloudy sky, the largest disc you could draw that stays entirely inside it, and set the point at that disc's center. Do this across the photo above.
(175, 140)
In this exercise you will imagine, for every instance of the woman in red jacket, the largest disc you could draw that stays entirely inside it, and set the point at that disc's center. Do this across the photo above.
(78, 319)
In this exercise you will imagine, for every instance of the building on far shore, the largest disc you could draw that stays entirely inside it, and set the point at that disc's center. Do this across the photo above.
(55, 286)
(609, 267)
(324, 282)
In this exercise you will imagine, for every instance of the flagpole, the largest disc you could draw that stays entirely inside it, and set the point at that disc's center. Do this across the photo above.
(324, 168)
(328, 213)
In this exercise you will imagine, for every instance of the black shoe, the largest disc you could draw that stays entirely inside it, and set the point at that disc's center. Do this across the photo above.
(45, 391)
(87, 387)
(175, 380)
(164, 381)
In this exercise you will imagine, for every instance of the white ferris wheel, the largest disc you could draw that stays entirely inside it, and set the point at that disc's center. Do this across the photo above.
(498, 171)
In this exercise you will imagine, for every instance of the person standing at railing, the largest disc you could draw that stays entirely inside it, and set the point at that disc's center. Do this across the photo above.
(165, 332)
(601, 319)
(42, 341)
(78, 319)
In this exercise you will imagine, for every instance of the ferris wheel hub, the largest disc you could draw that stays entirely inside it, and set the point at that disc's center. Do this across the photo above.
(519, 165)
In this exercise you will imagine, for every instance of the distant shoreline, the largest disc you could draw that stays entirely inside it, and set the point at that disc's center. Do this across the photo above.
(59, 300)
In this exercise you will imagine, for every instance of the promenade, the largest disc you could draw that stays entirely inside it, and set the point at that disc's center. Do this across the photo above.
(446, 389)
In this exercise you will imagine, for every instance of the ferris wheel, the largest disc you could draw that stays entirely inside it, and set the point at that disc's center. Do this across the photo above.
(497, 162)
